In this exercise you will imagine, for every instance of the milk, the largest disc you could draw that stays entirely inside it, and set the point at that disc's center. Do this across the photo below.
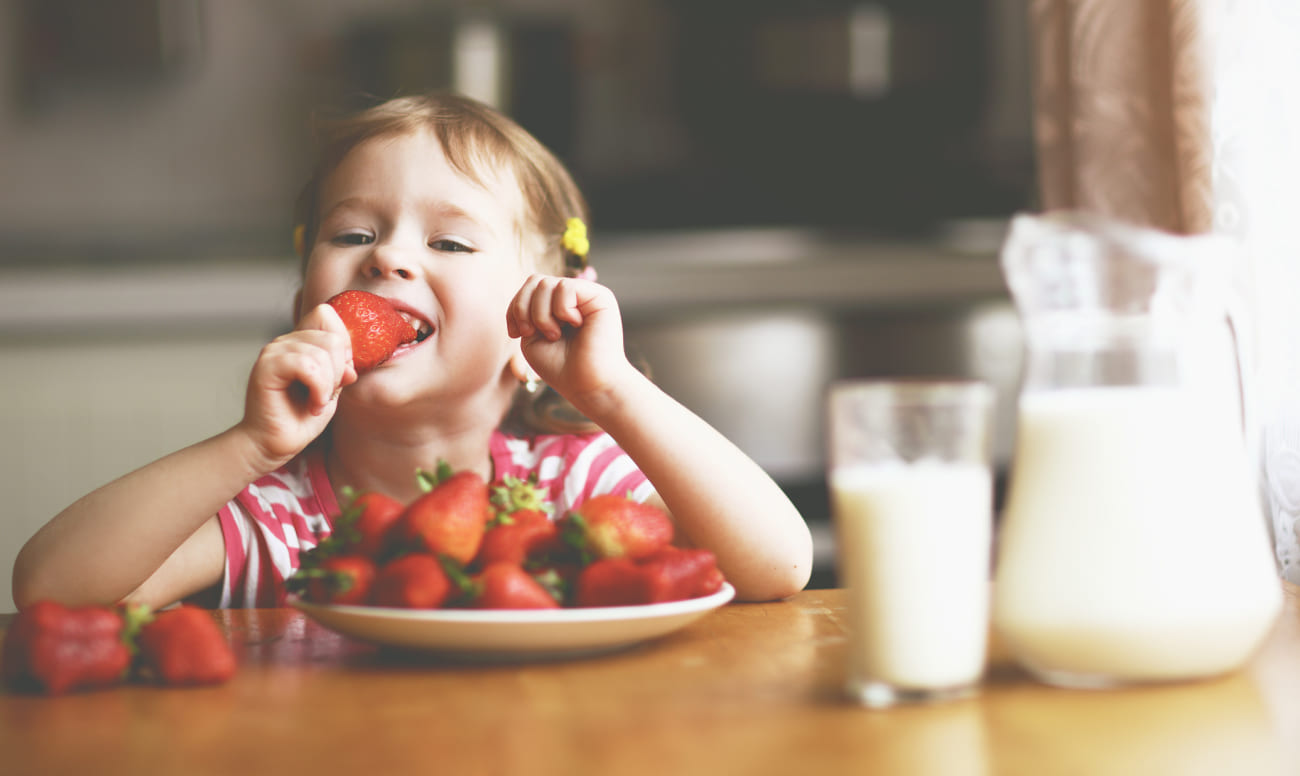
(1132, 547)
(912, 548)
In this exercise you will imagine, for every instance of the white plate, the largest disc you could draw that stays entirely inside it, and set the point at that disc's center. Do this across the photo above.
(516, 634)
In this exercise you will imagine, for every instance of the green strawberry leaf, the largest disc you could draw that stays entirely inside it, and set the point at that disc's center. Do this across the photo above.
(553, 584)
(134, 618)
(466, 588)
(573, 533)
(427, 480)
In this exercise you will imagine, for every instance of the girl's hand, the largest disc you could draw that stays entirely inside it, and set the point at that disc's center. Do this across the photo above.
(571, 333)
(294, 386)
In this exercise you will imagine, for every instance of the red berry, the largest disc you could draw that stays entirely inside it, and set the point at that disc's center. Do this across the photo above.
(415, 581)
(374, 325)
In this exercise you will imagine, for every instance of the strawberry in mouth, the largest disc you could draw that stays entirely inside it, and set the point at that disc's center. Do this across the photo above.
(423, 329)
(374, 325)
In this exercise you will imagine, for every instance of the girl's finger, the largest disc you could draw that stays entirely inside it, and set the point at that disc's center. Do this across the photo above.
(310, 374)
(338, 347)
(564, 306)
(541, 309)
(323, 317)
(518, 320)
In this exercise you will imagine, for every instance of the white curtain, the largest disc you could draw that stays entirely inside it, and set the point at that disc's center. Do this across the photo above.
(1184, 115)
(1254, 84)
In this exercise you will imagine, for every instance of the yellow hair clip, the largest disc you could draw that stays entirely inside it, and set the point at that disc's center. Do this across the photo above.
(299, 238)
(575, 238)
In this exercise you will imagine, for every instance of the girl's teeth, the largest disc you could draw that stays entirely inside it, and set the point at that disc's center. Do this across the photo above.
(422, 327)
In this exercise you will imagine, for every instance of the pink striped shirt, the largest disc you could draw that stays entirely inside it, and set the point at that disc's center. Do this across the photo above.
(291, 510)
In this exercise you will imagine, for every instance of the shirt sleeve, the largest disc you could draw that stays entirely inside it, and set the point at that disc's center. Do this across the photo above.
(266, 528)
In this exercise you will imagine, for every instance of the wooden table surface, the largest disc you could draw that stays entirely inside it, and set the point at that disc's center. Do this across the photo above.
(749, 689)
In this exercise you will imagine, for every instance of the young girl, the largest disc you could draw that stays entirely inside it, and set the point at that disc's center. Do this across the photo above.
(459, 217)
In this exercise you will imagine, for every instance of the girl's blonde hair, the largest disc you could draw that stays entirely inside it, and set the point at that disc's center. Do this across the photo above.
(480, 143)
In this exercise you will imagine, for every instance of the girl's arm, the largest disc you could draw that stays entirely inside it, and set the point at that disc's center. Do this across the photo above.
(147, 536)
(151, 535)
(718, 496)
(720, 499)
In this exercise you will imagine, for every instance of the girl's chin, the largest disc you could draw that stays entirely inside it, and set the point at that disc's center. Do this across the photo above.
(382, 387)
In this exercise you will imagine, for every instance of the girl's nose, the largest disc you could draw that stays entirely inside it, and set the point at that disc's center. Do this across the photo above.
(388, 261)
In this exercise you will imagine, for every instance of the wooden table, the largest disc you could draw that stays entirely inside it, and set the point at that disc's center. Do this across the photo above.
(750, 689)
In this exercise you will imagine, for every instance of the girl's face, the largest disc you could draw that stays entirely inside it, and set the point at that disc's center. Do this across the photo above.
(397, 220)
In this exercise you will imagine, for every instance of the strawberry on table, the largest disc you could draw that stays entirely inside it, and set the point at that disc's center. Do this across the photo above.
(415, 581)
(374, 325)
(185, 646)
(612, 526)
(505, 585)
(56, 649)
(451, 518)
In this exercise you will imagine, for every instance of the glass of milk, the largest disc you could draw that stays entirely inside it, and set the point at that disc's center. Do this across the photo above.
(912, 503)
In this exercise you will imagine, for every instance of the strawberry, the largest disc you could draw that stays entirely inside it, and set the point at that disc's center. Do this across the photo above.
(374, 325)
(676, 573)
(339, 579)
(668, 574)
(365, 524)
(611, 582)
(451, 518)
(185, 646)
(505, 585)
(522, 530)
(512, 495)
(416, 581)
(56, 649)
(611, 526)
(526, 535)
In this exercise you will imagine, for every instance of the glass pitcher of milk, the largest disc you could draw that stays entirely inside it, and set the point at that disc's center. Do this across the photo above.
(1133, 547)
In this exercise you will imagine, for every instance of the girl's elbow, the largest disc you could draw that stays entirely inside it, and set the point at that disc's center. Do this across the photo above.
(792, 573)
(793, 581)
(34, 580)
(777, 583)
(26, 587)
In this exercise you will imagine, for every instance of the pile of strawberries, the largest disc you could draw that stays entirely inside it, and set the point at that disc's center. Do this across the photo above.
(464, 543)
(54, 649)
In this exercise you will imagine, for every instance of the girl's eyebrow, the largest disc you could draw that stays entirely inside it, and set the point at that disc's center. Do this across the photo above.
(451, 211)
(439, 208)
(347, 203)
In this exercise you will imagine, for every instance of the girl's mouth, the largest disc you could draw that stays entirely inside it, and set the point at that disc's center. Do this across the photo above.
(422, 325)
(423, 330)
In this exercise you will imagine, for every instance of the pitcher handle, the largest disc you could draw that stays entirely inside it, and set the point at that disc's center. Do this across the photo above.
(1241, 331)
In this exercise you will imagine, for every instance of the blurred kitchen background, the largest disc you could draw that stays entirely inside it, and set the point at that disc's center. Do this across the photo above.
(784, 192)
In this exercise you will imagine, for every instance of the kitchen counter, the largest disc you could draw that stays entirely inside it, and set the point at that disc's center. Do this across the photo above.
(748, 689)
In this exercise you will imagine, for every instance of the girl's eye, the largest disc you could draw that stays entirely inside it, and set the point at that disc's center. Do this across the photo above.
(450, 246)
(353, 238)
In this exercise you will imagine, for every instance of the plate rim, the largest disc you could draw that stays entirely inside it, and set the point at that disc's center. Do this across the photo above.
(574, 615)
